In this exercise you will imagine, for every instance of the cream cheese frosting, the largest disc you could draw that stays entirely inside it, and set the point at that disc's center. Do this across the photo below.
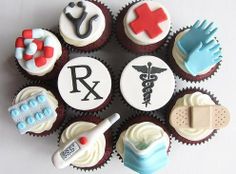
(180, 57)
(30, 91)
(67, 29)
(194, 99)
(142, 135)
(48, 67)
(91, 156)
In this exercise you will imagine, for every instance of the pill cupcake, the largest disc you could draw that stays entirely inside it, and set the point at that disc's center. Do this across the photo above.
(194, 52)
(85, 84)
(143, 26)
(37, 110)
(143, 144)
(85, 25)
(39, 54)
(85, 143)
(195, 116)
(147, 83)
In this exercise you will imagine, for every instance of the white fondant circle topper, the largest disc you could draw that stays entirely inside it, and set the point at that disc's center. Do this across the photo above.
(147, 83)
(84, 83)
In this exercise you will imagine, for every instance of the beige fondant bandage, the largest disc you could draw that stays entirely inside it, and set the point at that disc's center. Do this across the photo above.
(197, 117)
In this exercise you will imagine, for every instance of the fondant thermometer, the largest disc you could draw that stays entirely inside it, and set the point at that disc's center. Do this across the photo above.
(67, 154)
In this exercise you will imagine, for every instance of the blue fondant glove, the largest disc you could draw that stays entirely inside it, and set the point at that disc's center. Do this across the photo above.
(203, 57)
(199, 32)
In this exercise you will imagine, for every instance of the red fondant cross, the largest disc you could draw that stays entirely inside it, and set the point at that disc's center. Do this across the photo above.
(148, 21)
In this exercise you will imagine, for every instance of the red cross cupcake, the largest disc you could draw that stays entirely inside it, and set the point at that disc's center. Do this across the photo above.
(143, 26)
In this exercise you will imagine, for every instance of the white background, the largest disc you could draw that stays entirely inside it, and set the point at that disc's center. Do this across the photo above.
(29, 155)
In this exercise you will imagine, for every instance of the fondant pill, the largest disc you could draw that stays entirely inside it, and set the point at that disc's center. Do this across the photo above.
(33, 33)
(32, 103)
(21, 125)
(30, 51)
(24, 107)
(14, 113)
(48, 47)
(38, 116)
(19, 45)
(41, 98)
(47, 111)
(30, 120)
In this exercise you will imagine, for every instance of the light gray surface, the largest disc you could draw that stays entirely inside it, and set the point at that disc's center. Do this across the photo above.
(29, 155)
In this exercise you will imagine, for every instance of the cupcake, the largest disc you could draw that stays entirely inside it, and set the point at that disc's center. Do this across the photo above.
(194, 52)
(84, 143)
(147, 83)
(85, 84)
(85, 25)
(39, 54)
(143, 144)
(195, 116)
(37, 110)
(143, 26)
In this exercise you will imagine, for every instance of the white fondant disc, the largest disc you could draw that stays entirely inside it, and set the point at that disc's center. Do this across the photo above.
(89, 73)
(156, 93)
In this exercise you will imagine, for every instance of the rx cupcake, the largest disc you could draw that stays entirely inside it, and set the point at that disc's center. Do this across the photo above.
(37, 111)
(143, 26)
(143, 144)
(147, 83)
(39, 54)
(194, 52)
(196, 115)
(84, 143)
(85, 25)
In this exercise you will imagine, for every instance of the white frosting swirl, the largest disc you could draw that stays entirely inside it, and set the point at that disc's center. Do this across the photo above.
(30, 91)
(180, 57)
(194, 99)
(48, 67)
(91, 156)
(142, 134)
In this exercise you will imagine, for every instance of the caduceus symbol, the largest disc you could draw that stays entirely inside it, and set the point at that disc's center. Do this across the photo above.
(148, 76)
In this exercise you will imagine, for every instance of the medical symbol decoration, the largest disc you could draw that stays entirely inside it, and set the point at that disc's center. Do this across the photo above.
(148, 76)
(148, 21)
(77, 22)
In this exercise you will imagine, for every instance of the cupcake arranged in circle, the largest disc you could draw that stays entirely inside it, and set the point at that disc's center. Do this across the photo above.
(196, 115)
(143, 26)
(85, 84)
(143, 144)
(85, 143)
(39, 54)
(147, 83)
(37, 111)
(194, 52)
(85, 25)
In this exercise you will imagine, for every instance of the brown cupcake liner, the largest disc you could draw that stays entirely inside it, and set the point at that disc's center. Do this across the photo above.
(108, 135)
(110, 99)
(103, 40)
(60, 109)
(128, 44)
(178, 71)
(52, 75)
(178, 95)
(138, 119)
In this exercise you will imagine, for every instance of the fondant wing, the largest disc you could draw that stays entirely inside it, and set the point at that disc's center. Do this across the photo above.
(142, 69)
(156, 70)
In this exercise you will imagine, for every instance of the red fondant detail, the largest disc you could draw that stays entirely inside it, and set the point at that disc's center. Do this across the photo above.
(20, 42)
(27, 57)
(39, 44)
(83, 140)
(40, 61)
(148, 21)
(27, 34)
(48, 51)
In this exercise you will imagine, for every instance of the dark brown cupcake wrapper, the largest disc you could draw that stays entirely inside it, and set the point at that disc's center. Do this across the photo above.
(103, 40)
(110, 99)
(178, 95)
(129, 45)
(56, 69)
(108, 135)
(138, 119)
(178, 71)
(60, 110)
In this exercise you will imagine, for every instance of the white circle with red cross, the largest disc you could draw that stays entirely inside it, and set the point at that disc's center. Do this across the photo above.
(84, 83)
(147, 22)
(147, 83)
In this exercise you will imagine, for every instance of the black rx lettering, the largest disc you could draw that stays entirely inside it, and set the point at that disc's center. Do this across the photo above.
(91, 89)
